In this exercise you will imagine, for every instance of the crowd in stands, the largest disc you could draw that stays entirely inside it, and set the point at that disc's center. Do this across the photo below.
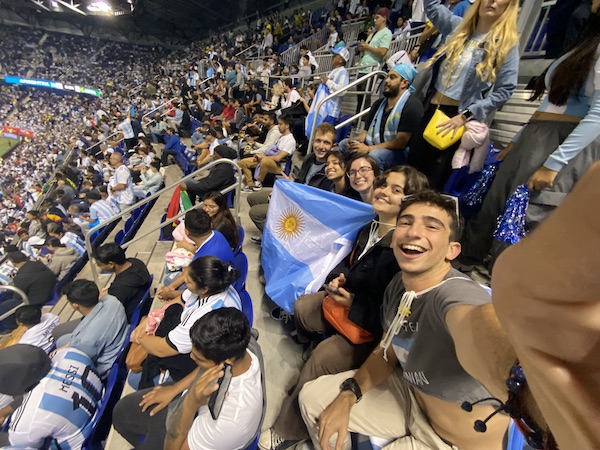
(409, 355)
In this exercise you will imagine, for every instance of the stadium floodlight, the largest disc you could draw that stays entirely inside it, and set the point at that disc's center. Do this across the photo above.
(72, 6)
(99, 6)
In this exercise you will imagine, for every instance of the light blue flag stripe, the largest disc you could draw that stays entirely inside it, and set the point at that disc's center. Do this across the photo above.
(329, 225)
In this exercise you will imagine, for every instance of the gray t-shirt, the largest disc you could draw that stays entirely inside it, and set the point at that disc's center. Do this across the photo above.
(424, 346)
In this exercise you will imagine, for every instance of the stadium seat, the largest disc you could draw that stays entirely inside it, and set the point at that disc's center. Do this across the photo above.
(240, 262)
(241, 234)
(166, 233)
(142, 307)
(120, 237)
(247, 305)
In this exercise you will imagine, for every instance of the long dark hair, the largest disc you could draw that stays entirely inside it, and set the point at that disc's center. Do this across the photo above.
(212, 273)
(570, 75)
(224, 215)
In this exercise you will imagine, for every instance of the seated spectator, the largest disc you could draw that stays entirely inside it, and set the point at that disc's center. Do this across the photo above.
(60, 257)
(311, 173)
(362, 170)
(391, 121)
(69, 238)
(173, 144)
(221, 336)
(208, 243)
(24, 245)
(35, 227)
(258, 145)
(103, 329)
(215, 205)
(219, 177)
(33, 277)
(132, 278)
(33, 328)
(443, 345)
(335, 171)
(208, 287)
(152, 180)
(100, 210)
(357, 283)
(274, 158)
(157, 131)
(40, 380)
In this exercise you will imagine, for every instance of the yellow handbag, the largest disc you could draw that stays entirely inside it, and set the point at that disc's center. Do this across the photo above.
(432, 134)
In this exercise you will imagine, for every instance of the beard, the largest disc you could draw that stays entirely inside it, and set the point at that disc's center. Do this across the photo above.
(391, 92)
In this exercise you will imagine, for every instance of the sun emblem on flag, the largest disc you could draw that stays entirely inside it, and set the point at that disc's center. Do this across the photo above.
(290, 224)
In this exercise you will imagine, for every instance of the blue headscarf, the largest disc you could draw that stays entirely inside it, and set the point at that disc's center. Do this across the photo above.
(407, 72)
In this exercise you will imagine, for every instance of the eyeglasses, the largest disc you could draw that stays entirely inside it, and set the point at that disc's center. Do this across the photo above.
(449, 197)
(362, 171)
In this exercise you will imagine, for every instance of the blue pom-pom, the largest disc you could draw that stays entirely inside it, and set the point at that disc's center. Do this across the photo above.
(475, 195)
(511, 227)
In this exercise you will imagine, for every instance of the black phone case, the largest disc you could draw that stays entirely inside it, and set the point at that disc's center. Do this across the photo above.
(215, 402)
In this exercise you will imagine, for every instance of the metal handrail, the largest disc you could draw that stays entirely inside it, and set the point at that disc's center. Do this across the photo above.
(336, 94)
(353, 118)
(18, 291)
(126, 211)
(159, 106)
(246, 49)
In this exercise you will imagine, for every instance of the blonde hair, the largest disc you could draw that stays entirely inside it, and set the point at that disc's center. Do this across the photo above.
(501, 38)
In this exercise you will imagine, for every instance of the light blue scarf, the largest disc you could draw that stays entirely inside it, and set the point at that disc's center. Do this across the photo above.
(391, 125)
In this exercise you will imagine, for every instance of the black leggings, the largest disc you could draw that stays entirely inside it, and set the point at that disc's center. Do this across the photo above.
(436, 164)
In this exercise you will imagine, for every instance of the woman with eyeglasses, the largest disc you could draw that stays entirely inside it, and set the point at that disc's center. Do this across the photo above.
(335, 171)
(215, 205)
(357, 283)
(361, 172)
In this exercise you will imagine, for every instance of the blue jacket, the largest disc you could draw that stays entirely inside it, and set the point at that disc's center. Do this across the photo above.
(174, 143)
(475, 92)
(101, 333)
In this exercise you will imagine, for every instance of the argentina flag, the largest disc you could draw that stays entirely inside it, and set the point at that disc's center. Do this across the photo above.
(308, 233)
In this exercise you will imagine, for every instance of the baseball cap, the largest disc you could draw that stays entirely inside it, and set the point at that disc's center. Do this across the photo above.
(343, 52)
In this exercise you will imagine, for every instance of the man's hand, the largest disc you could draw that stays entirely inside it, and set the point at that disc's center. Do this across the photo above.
(287, 177)
(324, 79)
(335, 419)
(542, 178)
(160, 396)
(183, 186)
(363, 47)
(205, 385)
(258, 157)
(359, 147)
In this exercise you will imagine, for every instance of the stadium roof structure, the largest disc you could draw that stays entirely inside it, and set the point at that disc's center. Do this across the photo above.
(170, 22)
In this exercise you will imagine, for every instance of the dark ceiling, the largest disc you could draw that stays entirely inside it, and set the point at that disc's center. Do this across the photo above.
(172, 22)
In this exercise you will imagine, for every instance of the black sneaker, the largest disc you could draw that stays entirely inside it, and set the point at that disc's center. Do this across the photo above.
(280, 314)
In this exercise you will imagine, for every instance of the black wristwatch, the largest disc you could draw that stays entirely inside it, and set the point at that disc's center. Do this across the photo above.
(467, 114)
(351, 385)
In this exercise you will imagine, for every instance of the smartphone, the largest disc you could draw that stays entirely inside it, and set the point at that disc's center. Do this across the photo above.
(215, 402)
(330, 289)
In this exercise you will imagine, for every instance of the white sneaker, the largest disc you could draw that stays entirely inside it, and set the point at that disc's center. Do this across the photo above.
(269, 440)
(257, 186)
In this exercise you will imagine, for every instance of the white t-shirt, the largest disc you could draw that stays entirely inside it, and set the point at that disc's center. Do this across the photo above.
(239, 418)
(60, 405)
(179, 337)
(287, 144)
(127, 129)
(40, 335)
(291, 98)
(123, 176)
